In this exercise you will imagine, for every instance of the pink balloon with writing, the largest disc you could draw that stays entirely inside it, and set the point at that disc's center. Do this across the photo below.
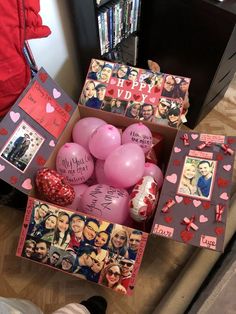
(154, 171)
(75, 163)
(124, 167)
(79, 191)
(104, 140)
(84, 128)
(138, 133)
(106, 202)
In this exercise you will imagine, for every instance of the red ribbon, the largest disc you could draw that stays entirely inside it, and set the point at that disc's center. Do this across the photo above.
(185, 139)
(203, 145)
(219, 212)
(168, 205)
(227, 149)
(189, 223)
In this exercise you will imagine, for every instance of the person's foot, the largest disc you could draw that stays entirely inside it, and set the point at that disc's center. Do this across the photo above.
(95, 304)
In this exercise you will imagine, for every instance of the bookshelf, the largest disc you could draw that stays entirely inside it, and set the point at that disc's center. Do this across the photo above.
(106, 29)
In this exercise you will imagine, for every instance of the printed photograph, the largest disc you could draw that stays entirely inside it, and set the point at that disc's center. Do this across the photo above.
(197, 178)
(22, 146)
(93, 94)
(175, 87)
(114, 105)
(151, 78)
(168, 112)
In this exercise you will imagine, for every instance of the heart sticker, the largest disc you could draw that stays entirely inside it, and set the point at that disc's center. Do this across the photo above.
(49, 108)
(3, 131)
(197, 203)
(52, 143)
(2, 167)
(136, 97)
(224, 196)
(219, 230)
(43, 77)
(27, 184)
(40, 160)
(186, 235)
(15, 116)
(172, 178)
(176, 162)
(111, 91)
(206, 205)
(128, 83)
(227, 167)
(13, 180)
(168, 219)
(177, 149)
(67, 107)
(152, 99)
(194, 136)
(113, 81)
(203, 218)
(178, 199)
(187, 201)
(56, 93)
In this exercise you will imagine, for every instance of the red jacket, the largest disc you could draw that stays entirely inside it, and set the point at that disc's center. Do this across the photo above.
(19, 21)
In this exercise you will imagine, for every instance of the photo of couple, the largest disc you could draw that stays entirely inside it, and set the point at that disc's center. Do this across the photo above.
(197, 177)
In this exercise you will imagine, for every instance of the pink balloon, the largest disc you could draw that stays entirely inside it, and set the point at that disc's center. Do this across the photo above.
(99, 171)
(79, 191)
(84, 128)
(104, 140)
(106, 202)
(74, 163)
(154, 171)
(124, 167)
(138, 133)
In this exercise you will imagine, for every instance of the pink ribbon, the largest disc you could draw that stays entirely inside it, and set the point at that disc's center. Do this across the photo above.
(203, 145)
(219, 212)
(168, 205)
(190, 223)
(185, 139)
(227, 149)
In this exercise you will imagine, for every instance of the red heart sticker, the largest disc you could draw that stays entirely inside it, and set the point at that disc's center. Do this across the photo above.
(231, 140)
(156, 89)
(25, 225)
(128, 83)
(206, 205)
(111, 92)
(13, 179)
(176, 162)
(168, 219)
(187, 200)
(222, 183)
(136, 97)
(3, 131)
(40, 160)
(67, 107)
(43, 76)
(186, 235)
(219, 230)
(219, 157)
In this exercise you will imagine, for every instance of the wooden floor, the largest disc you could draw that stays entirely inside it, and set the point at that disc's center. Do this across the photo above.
(163, 259)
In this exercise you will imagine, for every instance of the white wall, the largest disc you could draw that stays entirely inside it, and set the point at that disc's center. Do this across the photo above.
(57, 53)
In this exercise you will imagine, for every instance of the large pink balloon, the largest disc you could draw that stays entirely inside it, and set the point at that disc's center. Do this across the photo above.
(104, 140)
(84, 128)
(138, 133)
(106, 202)
(74, 163)
(79, 191)
(154, 171)
(124, 167)
(99, 171)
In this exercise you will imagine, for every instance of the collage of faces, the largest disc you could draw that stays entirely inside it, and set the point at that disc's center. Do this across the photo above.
(197, 177)
(88, 248)
(167, 110)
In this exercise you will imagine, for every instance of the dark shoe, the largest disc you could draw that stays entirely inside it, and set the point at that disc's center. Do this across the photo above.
(96, 305)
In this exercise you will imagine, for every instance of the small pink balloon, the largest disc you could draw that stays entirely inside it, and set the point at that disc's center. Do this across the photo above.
(154, 171)
(138, 133)
(106, 202)
(104, 140)
(99, 171)
(84, 128)
(124, 167)
(79, 191)
(74, 163)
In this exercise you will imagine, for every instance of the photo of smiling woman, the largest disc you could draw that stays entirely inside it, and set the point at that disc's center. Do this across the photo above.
(111, 277)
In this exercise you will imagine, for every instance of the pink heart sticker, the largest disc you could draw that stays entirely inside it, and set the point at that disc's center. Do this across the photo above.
(56, 93)
(177, 149)
(178, 199)
(172, 178)
(203, 218)
(227, 167)
(113, 81)
(152, 99)
(196, 203)
(52, 143)
(194, 136)
(27, 184)
(224, 196)
(15, 116)
(49, 108)
(2, 167)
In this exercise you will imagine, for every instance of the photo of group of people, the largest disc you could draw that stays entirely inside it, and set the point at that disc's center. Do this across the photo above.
(197, 178)
(166, 110)
(88, 248)
(22, 146)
